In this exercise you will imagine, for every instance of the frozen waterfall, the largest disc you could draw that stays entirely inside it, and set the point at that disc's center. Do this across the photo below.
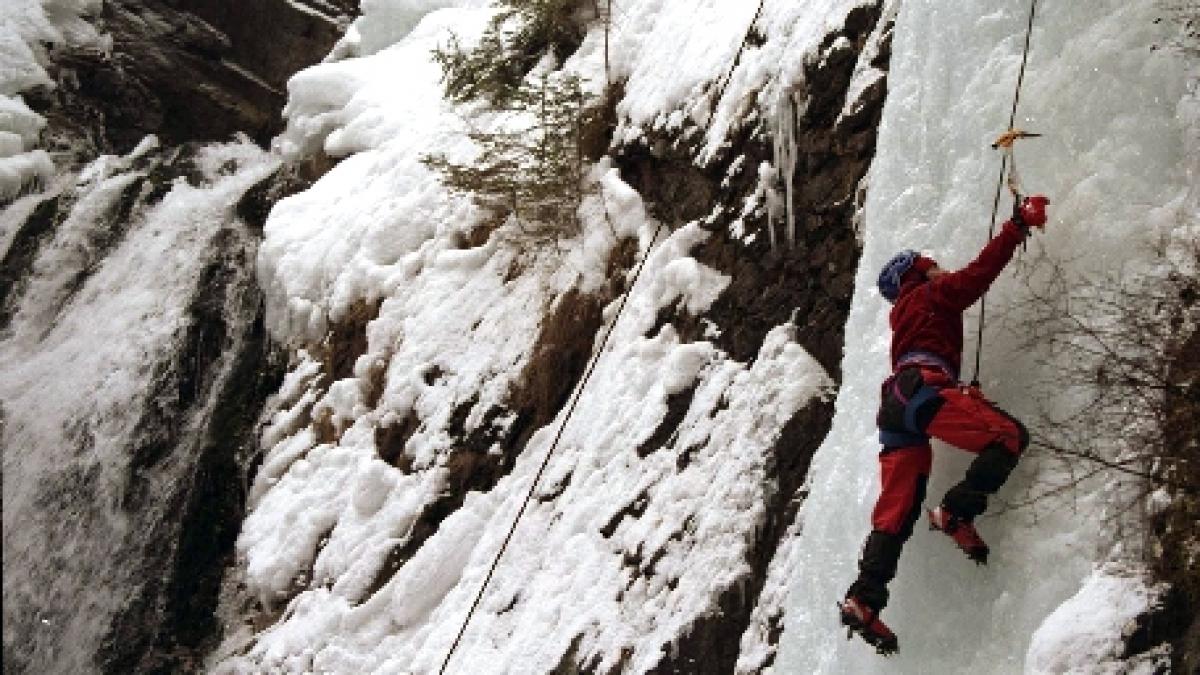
(1115, 163)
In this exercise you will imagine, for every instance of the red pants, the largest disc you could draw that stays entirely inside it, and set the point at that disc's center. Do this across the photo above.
(965, 420)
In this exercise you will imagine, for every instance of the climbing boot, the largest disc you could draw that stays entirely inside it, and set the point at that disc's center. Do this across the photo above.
(962, 532)
(857, 617)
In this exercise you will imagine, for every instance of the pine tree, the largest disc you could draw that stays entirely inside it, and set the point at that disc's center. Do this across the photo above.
(534, 174)
(520, 35)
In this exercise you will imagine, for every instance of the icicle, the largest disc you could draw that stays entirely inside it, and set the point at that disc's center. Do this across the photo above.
(783, 170)
(767, 176)
(784, 138)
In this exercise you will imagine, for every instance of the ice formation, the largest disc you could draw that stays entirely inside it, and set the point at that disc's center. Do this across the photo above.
(1078, 636)
(1114, 163)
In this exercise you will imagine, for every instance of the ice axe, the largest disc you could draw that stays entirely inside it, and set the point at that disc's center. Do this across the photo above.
(1009, 137)
(1006, 142)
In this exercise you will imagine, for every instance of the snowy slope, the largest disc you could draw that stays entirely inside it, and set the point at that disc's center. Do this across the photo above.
(1115, 162)
(360, 556)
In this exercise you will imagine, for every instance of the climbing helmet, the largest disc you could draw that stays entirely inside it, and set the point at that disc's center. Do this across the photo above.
(893, 272)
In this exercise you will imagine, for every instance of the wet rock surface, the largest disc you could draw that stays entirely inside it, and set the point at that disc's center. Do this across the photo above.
(188, 72)
(146, 521)
(224, 371)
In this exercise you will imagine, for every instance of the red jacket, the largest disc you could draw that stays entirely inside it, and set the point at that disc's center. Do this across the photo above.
(927, 315)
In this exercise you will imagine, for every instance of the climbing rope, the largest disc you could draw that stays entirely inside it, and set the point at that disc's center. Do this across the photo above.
(553, 446)
(1006, 141)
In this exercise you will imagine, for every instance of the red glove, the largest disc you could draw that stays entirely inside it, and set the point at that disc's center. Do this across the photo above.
(1032, 211)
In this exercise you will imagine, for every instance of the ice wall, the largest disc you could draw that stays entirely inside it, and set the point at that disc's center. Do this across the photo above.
(1113, 162)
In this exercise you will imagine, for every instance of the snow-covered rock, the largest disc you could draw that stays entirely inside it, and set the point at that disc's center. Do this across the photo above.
(1089, 632)
(393, 480)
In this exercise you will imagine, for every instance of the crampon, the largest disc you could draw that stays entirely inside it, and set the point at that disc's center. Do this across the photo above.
(858, 618)
(962, 532)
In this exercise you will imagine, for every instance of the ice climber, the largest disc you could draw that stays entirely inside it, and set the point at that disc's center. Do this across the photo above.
(923, 398)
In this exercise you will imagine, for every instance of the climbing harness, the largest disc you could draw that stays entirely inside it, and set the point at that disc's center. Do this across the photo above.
(549, 453)
(925, 359)
(1006, 142)
(913, 434)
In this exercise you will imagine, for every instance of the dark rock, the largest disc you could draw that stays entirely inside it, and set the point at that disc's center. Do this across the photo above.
(811, 280)
(1166, 622)
(182, 69)
(18, 259)
(677, 408)
(634, 509)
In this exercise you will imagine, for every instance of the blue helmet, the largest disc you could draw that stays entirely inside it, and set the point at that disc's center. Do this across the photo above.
(893, 272)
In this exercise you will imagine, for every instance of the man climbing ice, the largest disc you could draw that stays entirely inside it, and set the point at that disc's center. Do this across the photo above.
(923, 398)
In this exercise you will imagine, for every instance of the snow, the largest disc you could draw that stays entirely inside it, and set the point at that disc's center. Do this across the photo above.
(366, 222)
(21, 165)
(1112, 156)
(29, 28)
(312, 11)
(249, 75)
(866, 74)
(559, 555)
(455, 327)
(17, 119)
(1087, 633)
(758, 647)
(684, 280)
(669, 54)
(385, 22)
(390, 95)
(19, 171)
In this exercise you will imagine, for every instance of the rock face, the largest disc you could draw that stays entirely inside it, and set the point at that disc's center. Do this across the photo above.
(121, 512)
(186, 71)
(400, 460)
(158, 533)
(1174, 532)
(812, 278)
